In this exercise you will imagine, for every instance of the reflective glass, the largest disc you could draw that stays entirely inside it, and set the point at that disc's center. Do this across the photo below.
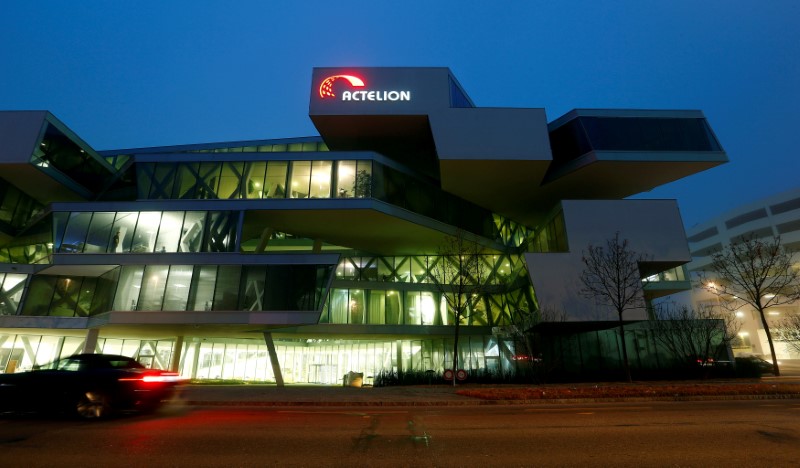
(75, 234)
(201, 294)
(253, 288)
(192, 232)
(321, 179)
(153, 284)
(209, 180)
(186, 181)
(124, 225)
(11, 290)
(230, 180)
(301, 178)
(363, 179)
(276, 179)
(144, 239)
(99, 233)
(394, 307)
(65, 297)
(177, 290)
(169, 231)
(128, 288)
(357, 306)
(227, 290)
(254, 174)
(345, 179)
(377, 307)
(40, 293)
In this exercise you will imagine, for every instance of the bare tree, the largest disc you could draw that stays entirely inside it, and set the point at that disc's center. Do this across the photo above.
(611, 276)
(789, 331)
(757, 273)
(459, 276)
(694, 336)
(522, 322)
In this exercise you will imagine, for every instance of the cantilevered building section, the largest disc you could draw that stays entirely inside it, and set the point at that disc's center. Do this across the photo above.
(302, 259)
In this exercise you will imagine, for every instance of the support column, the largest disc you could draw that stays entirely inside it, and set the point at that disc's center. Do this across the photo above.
(177, 349)
(90, 343)
(264, 239)
(317, 248)
(196, 358)
(273, 359)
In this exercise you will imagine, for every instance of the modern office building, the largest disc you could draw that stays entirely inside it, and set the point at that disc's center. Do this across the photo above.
(301, 259)
(774, 216)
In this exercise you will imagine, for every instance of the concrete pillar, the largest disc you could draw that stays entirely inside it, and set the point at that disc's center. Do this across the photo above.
(273, 359)
(177, 349)
(90, 344)
(196, 358)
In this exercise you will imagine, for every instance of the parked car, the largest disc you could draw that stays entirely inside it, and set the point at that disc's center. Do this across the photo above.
(91, 386)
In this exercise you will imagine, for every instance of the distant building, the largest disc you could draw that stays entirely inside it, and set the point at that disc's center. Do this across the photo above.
(302, 259)
(777, 215)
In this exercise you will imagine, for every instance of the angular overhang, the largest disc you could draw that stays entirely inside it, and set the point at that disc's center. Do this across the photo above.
(373, 227)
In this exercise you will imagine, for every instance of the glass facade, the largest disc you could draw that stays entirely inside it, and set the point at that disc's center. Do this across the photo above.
(58, 151)
(16, 208)
(302, 360)
(145, 232)
(584, 134)
(173, 288)
(308, 179)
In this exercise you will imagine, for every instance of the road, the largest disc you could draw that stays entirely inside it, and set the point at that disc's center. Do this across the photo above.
(718, 433)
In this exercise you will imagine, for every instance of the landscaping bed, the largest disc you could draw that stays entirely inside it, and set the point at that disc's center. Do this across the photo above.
(633, 390)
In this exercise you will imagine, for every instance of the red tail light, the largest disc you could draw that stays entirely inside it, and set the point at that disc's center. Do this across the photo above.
(151, 377)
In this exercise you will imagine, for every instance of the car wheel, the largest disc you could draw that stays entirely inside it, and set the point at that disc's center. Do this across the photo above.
(93, 405)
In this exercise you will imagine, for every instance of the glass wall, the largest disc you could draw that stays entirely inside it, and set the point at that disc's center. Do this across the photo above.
(302, 359)
(318, 179)
(12, 287)
(16, 208)
(145, 232)
(225, 287)
(56, 150)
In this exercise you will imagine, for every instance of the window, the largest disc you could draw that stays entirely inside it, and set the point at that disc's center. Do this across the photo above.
(321, 179)
(275, 186)
(345, 179)
(169, 231)
(254, 174)
(144, 239)
(301, 179)
(75, 235)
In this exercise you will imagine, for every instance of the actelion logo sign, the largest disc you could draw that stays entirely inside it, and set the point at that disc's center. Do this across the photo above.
(326, 91)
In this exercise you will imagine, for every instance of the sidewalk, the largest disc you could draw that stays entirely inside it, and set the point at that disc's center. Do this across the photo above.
(416, 395)
(322, 395)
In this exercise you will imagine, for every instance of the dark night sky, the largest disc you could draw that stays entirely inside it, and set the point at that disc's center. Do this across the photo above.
(148, 73)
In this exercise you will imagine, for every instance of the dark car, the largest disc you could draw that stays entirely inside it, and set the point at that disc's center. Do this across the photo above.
(91, 386)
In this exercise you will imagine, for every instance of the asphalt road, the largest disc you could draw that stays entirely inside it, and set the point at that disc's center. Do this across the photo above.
(707, 434)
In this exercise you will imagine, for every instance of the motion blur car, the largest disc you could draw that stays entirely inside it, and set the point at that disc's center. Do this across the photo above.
(91, 386)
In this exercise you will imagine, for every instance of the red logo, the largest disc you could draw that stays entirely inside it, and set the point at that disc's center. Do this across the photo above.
(326, 88)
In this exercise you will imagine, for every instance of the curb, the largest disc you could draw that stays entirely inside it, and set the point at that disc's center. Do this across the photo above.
(478, 402)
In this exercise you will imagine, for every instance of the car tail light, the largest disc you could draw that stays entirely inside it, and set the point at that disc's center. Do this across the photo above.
(155, 377)
(165, 377)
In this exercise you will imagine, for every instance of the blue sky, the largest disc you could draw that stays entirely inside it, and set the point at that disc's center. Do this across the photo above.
(150, 73)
